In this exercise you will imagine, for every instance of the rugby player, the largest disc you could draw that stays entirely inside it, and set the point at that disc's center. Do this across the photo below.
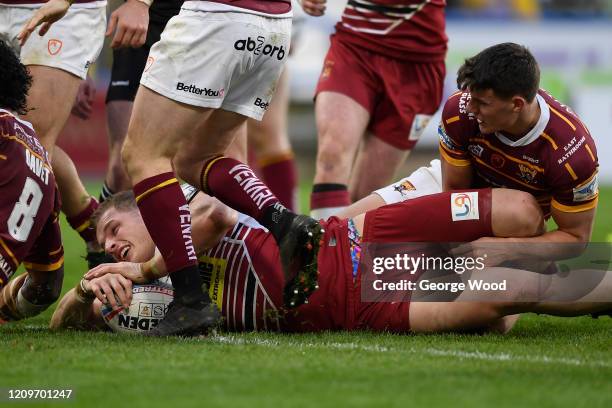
(502, 130)
(240, 262)
(216, 65)
(128, 64)
(381, 81)
(59, 62)
(29, 204)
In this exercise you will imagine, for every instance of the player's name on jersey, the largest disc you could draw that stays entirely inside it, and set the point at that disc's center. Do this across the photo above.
(38, 166)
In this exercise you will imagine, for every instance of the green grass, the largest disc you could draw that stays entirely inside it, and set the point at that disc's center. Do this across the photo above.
(544, 362)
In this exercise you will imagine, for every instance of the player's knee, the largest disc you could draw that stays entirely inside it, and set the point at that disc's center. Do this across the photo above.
(187, 169)
(529, 215)
(516, 214)
(40, 292)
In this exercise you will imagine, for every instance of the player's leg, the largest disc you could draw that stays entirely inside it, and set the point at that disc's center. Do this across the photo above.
(58, 63)
(525, 292)
(370, 171)
(412, 94)
(345, 97)
(269, 141)
(430, 218)
(423, 181)
(118, 114)
(155, 131)
(50, 101)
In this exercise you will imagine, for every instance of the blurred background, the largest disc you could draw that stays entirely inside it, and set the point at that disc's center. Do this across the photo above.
(572, 40)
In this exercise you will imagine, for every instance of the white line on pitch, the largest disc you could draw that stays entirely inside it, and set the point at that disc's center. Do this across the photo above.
(430, 351)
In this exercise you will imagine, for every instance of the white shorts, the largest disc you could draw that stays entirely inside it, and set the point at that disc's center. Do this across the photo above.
(72, 44)
(423, 181)
(226, 60)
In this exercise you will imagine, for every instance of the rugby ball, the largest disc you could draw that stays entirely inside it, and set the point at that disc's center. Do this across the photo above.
(149, 305)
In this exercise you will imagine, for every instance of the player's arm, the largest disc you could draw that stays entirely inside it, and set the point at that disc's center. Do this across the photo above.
(34, 291)
(130, 23)
(75, 310)
(45, 16)
(455, 177)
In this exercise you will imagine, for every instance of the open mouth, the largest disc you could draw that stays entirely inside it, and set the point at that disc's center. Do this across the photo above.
(124, 252)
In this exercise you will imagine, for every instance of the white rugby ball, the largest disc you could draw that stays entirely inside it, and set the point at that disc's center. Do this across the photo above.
(149, 305)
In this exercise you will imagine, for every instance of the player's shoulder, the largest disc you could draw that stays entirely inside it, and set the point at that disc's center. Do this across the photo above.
(573, 149)
(455, 113)
(563, 123)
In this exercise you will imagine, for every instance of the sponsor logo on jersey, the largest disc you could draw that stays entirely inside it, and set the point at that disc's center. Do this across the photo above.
(213, 271)
(445, 139)
(258, 47)
(54, 46)
(464, 206)
(587, 191)
(476, 150)
(571, 148)
(261, 104)
(530, 159)
(404, 187)
(199, 91)
(526, 173)
(463, 102)
(497, 161)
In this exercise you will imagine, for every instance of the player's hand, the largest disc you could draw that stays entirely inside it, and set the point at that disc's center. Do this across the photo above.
(83, 105)
(314, 8)
(129, 270)
(491, 251)
(48, 14)
(113, 290)
(129, 22)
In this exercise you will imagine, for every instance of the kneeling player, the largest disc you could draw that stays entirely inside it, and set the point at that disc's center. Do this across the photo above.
(240, 261)
(29, 204)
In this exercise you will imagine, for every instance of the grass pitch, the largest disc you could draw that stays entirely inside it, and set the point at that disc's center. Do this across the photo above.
(544, 362)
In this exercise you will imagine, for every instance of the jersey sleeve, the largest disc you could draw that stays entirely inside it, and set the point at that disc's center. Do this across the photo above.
(574, 178)
(452, 133)
(47, 253)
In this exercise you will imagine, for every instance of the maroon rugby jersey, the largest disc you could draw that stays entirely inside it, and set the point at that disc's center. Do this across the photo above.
(29, 202)
(556, 161)
(246, 281)
(412, 30)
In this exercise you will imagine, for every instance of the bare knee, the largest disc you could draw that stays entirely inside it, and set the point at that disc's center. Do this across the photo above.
(522, 218)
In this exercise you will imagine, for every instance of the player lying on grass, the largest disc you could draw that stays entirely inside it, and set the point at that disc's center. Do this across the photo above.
(29, 204)
(241, 260)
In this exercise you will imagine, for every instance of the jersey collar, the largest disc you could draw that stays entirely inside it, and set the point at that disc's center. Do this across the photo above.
(23, 122)
(535, 132)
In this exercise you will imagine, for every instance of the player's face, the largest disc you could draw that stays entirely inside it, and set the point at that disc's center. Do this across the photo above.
(124, 236)
(494, 114)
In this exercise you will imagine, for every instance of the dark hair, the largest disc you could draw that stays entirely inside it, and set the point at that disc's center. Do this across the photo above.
(123, 201)
(508, 69)
(15, 81)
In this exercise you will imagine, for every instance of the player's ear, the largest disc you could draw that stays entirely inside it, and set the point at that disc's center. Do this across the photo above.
(518, 103)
